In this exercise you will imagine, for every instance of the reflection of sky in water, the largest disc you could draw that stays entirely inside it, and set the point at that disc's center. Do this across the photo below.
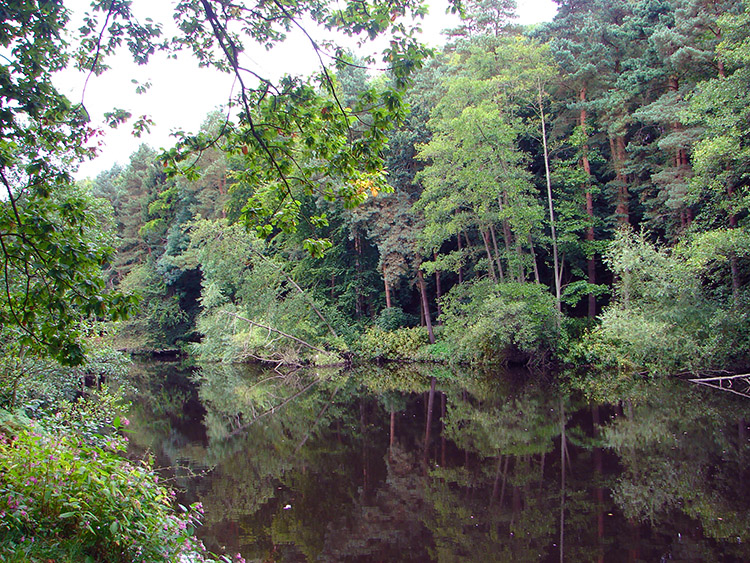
(320, 467)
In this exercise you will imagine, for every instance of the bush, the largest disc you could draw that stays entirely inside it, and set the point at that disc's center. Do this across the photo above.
(26, 379)
(394, 318)
(65, 499)
(400, 344)
(674, 312)
(489, 322)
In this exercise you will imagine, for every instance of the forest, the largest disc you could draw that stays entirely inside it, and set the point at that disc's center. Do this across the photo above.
(571, 197)
(571, 193)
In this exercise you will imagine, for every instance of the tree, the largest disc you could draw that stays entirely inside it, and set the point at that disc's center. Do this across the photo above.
(296, 133)
(575, 40)
(51, 250)
(476, 180)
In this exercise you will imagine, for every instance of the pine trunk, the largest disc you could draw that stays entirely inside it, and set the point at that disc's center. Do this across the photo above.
(591, 266)
(618, 155)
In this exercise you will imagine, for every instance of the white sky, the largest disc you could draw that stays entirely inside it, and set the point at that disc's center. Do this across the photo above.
(182, 94)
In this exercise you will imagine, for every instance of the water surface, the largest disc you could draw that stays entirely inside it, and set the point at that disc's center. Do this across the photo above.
(369, 465)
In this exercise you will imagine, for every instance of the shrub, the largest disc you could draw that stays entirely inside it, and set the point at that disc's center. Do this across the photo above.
(26, 379)
(675, 310)
(489, 322)
(400, 344)
(64, 498)
(394, 318)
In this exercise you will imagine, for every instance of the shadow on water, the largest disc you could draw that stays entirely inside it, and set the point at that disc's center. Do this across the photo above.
(428, 463)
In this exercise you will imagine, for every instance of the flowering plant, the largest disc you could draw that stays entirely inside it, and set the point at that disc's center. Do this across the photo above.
(62, 496)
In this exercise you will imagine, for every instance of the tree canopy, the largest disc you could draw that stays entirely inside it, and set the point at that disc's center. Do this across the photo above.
(295, 136)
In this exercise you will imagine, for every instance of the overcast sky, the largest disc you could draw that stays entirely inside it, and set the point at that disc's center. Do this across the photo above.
(182, 94)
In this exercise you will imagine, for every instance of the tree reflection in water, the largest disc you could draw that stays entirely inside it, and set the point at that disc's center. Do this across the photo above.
(343, 466)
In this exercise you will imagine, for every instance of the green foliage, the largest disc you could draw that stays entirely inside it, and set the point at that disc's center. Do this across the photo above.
(720, 107)
(399, 344)
(632, 341)
(250, 303)
(294, 138)
(675, 311)
(38, 382)
(493, 323)
(65, 498)
(54, 252)
(394, 318)
(476, 178)
(52, 247)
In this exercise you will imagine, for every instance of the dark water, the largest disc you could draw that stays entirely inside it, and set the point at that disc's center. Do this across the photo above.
(343, 466)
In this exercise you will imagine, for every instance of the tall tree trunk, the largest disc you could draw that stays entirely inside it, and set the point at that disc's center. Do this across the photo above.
(490, 261)
(619, 155)
(507, 234)
(425, 306)
(591, 265)
(387, 290)
(521, 269)
(537, 280)
(438, 290)
(556, 264)
(497, 254)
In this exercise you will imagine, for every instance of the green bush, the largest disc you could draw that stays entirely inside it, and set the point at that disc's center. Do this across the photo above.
(27, 380)
(488, 322)
(675, 310)
(66, 499)
(400, 344)
(394, 318)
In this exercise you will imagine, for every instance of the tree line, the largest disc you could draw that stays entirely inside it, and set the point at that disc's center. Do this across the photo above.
(543, 177)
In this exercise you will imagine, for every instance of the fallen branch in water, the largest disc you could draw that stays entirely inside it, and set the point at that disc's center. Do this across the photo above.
(253, 323)
(743, 379)
(301, 291)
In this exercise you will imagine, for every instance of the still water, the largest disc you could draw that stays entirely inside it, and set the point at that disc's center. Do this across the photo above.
(370, 465)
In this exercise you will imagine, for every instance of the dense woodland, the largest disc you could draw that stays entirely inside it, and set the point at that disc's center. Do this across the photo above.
(575, 191)
(567, 195)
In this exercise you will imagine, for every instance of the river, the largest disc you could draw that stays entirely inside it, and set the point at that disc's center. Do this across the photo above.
(369, 465)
